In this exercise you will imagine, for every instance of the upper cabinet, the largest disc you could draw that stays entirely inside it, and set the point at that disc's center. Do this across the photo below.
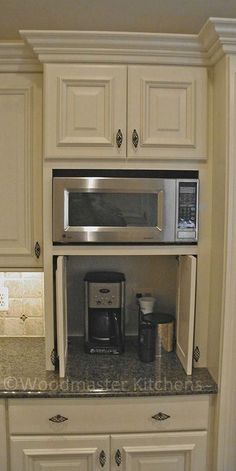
(85, 106)
(167, 112)
(125, 112)
(20, 170)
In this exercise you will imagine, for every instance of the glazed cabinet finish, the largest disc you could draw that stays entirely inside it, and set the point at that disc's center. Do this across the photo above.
(118, 112)
(167, 106)
(85, 106)
(146, 452)
(20, 169)
(119, 434)
(162, 452)
(65, 453)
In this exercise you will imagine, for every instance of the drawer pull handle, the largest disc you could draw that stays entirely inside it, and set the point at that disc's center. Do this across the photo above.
(160, 416)
(102, 458)
(119, 138)
(118, 458)
(135, 138)
(58, 419)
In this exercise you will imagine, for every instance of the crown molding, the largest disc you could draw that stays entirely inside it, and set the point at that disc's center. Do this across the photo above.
(16, 56)
(116, 47)
(216, 38)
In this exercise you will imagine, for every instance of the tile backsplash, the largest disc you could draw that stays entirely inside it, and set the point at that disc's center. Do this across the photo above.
(25, 313)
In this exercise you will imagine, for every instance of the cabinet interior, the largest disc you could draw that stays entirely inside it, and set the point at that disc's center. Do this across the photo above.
(147, 275)
(168, 278)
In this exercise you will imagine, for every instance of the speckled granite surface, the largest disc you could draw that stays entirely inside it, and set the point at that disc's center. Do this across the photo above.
(22, 373)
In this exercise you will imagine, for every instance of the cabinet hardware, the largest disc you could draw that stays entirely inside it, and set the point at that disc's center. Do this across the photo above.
(58, 419)
(160, 416)
(119, 138)
(196, 353)
(135, 138)
(102, 458)
(118, 458)
(37, 250)
(54, 357)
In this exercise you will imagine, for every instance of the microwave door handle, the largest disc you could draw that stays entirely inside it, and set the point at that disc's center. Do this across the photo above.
(160, 204)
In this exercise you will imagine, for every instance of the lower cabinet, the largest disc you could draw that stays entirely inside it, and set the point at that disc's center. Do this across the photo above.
(110, 434)
(159, 452)
(64, 453)
(127, 452)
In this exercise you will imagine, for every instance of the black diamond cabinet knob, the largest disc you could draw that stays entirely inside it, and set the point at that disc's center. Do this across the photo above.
(118, 458)
(160, 416)
(58, 419)
(102, 458)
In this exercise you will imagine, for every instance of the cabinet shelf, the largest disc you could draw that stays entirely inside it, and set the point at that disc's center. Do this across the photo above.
(116, 250)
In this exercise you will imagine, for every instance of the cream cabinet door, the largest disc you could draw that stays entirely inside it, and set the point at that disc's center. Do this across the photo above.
(85, 111)
(60, 453)
(20, 169)
(159, 452)
(167, 112)
(185, 310)
(61, 313)
(3, 437)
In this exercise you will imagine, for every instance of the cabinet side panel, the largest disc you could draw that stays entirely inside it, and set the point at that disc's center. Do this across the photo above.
(218, 217)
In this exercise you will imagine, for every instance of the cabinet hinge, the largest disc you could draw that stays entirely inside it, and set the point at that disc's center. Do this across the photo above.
(196, 353)
(54, 357)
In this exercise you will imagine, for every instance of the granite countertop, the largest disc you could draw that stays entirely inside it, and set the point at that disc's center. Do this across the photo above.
(23, 374)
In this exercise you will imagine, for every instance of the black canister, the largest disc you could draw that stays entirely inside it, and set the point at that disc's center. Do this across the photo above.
(147, 339)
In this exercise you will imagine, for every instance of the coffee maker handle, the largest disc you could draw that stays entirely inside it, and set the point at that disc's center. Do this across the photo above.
(116, 327)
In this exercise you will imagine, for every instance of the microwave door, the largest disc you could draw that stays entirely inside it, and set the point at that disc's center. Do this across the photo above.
(115, 216)
(114, 211)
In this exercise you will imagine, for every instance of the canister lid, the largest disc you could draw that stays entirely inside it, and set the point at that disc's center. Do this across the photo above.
(158, 318)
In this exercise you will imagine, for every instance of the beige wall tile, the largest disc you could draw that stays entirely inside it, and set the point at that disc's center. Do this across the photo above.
(15, 288)
(14, 327)
(25, 298)
(15, 307)
(14, 275)
(2, 322)
(34, 327)
(32, 288)
(32, 307)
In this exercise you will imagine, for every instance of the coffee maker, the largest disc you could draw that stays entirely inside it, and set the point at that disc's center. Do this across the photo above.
(104, 312)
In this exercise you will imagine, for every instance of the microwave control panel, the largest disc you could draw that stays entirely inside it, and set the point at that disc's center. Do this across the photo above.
(187, 210)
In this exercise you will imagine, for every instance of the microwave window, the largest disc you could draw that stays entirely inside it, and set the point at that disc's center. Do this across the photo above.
(112, 209)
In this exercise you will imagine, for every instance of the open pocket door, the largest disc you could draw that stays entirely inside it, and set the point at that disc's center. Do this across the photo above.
(61, 309)
(186, 310)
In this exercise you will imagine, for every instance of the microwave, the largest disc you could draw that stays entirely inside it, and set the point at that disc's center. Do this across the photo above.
(125, 206)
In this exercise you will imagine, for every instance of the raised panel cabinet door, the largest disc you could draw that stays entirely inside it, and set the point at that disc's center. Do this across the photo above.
(167, 112)
(159, 452)
(60, 453)
(185, 310)
(85, 111)
(20, 170)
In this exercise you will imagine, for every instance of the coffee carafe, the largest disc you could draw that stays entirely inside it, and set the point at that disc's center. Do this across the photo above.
(104, 312)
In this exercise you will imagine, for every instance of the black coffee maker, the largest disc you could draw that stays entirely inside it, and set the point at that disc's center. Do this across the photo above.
(104, 312)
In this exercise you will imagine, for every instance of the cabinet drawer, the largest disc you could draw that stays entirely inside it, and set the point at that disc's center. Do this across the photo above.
(108, 415)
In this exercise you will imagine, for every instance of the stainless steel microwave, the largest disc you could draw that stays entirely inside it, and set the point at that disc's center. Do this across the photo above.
(125, 207)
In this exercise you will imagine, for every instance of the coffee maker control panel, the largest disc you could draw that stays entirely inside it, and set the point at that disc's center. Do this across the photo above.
(103, 295)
